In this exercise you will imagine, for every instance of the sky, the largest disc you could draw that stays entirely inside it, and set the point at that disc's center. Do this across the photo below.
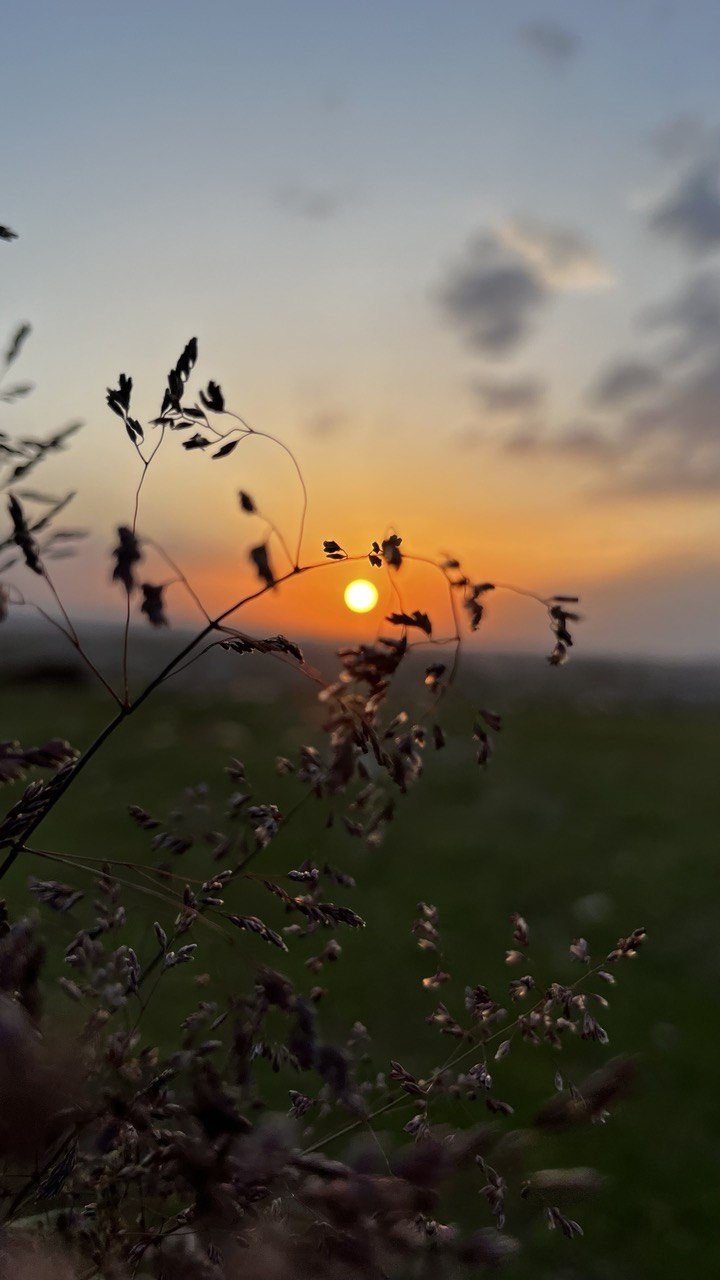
(464, 258)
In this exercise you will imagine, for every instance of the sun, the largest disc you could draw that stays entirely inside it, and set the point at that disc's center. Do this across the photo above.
(361, 596)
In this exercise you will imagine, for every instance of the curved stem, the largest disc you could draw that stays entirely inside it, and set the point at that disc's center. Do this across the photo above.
(129, 708)
(71, 630)
(70, 860)
(274, 529)
(70, 635)
(303, 487)
(61, 787)
(181, 577)
(266, 435)
(437, 1074)
(126, 630)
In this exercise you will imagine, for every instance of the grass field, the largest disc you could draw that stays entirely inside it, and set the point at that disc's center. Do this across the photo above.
(588, 822)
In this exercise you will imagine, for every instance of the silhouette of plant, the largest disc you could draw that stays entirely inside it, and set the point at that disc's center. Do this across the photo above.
(124, 1158)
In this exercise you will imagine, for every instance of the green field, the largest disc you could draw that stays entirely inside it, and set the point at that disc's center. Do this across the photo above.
(588, 822)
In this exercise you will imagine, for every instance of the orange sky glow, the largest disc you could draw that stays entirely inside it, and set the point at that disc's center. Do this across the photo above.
(486, 319)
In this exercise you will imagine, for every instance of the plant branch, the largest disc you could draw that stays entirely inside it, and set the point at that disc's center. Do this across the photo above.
(136, 510)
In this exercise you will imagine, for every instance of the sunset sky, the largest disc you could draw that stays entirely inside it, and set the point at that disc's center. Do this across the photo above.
(463, 256)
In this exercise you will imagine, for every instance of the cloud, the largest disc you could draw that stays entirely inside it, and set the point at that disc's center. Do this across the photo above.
(690, 212)
(325, 423)
(577, 441)
(523, 394)
(623, 381)
(670, 446)
(563, 258)
(680, 138)
(555, 44)
(492, 296)
(674, 473)
(316, 204)
(691, 317)
(496, 291)
(625, 463)
(656, 427)
(688, 413)
(660, 432)
(673, 445)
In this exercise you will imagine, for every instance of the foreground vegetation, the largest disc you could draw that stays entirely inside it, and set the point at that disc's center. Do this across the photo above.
(239, 1117)
(586, 821)
(170, 1154)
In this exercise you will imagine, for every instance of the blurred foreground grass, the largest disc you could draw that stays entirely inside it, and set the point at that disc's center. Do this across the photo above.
(588, 822)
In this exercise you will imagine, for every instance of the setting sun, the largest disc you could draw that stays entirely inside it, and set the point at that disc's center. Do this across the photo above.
(361, 596)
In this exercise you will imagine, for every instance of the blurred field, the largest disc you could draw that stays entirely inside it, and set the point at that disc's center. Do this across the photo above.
(592, 820)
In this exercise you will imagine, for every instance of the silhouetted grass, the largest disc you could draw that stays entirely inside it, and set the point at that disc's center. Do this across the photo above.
(586, 820)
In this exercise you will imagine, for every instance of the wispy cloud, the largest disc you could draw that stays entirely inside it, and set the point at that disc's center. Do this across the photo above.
(510, 396)
(689, 318)
(657, 432)
(689, 212)
(326, 423)
(648, 420)
(492, 296)
(562, 257)
(575, 442)
(681, 138)
(671, 443)
(688, 412)
(553, 43)
(624, 381)
(316, 204)
(496, 291)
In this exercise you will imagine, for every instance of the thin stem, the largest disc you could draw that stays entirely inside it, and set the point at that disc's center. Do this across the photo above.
(70, 635)
(136, 510)
(250, 857)
(440, 1071)
(60, 788)
(455, 639)
(248, 431)
(71, 860)
(129, 708)
(521, 591)
(274, 529)
(303, 667)
(160, 874)
(22, 1195)
(356, 1124)
(126, 625)
(303, 487)
(214, 644)
(68, 622)
(181, 577)
(266, 435)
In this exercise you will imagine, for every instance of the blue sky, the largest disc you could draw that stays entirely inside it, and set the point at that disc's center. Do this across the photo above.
(324, 192)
